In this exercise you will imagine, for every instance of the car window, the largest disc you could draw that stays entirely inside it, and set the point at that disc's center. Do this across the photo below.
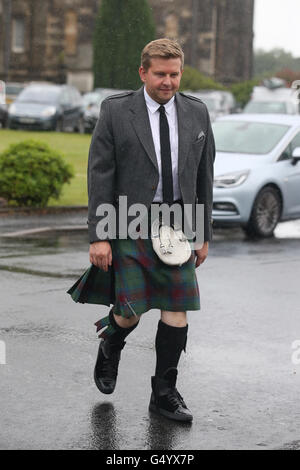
(65, 97)
(76, 97)
(247, 137)
(287, 153)
(296, 141)
(39, 94)
(13, 89)
(91, 98)
(265, 107)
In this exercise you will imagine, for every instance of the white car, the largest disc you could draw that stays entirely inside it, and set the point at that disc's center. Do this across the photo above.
(257, 171)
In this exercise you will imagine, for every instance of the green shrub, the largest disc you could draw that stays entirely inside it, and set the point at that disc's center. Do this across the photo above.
(242, 91)
(31, 172)
(194, 80)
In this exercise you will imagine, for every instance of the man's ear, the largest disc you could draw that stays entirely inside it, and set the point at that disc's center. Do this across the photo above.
(142, 73)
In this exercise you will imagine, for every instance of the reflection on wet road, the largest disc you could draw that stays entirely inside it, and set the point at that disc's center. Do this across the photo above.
(237, 375)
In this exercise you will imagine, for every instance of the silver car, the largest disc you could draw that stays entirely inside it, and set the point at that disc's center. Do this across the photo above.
(279, 101)
(257, 171)
(218, 102)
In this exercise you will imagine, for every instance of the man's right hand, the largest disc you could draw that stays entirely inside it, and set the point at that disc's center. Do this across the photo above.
(101, 255)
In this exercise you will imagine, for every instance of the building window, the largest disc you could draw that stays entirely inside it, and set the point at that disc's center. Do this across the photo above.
(71, 33)
(18, 35)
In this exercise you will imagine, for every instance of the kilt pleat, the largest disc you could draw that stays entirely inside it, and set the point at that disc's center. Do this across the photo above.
(139, 281)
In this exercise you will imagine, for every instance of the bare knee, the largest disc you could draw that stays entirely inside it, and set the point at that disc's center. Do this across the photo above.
(126, 322)
(178, 319)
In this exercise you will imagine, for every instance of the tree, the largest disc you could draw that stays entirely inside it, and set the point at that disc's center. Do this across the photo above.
(268, 63)
(123, 28)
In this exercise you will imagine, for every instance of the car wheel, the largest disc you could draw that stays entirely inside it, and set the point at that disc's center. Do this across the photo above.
(265, 214)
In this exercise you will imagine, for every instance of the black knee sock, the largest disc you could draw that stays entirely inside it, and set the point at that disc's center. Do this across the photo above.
(169, 343)
(120, 333)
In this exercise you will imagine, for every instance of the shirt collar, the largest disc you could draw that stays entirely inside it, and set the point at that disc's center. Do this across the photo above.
(153, 105)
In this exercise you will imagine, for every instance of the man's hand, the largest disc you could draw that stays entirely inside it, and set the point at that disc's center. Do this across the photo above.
(201, 254)
(101, 255)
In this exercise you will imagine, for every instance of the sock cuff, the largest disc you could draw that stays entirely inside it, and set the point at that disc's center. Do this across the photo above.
(163, 327)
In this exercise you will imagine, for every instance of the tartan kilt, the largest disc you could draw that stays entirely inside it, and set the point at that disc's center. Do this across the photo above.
(139, 281)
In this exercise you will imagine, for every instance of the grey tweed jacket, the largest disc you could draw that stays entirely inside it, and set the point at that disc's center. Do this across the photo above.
(122, 159)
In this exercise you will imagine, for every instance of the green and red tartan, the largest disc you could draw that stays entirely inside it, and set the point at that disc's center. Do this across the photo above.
(139, 281)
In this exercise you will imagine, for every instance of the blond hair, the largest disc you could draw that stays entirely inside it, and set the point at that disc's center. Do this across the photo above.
(161, 48)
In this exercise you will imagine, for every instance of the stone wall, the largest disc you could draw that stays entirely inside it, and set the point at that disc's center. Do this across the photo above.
(216, 36)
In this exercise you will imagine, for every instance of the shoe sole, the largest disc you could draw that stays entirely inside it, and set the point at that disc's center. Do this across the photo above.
(168, 414)
(99, 386)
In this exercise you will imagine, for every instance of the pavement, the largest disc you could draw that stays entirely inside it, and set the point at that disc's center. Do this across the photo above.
(240, 375)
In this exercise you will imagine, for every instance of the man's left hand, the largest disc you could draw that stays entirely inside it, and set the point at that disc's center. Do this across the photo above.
(201, 254)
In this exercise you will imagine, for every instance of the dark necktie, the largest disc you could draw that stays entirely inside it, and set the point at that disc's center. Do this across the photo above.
(166, 160)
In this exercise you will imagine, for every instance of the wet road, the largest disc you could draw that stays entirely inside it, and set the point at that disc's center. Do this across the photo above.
(237, 376)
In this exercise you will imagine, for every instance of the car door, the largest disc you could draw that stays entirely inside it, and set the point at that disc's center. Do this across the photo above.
(66, 101)
(290, 176)
(78, 109)
(75, 107)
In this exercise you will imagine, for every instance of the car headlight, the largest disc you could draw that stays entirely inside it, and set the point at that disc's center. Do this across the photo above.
(230, 180)
(12, 109)
(50, 111)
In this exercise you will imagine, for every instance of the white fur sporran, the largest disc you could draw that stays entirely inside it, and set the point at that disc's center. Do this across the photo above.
(170, 244)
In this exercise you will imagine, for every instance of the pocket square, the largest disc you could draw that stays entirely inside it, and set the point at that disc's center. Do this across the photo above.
(200, 136)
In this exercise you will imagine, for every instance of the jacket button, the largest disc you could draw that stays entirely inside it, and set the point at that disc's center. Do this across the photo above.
(153, 187)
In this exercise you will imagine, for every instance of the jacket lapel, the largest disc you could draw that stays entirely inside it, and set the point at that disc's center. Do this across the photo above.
(141, 124)
(185, 131)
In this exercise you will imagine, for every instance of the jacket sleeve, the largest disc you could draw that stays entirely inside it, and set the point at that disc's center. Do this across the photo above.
(205, 177)
(101, 170)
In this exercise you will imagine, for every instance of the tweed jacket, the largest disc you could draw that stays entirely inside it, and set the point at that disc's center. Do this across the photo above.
(122, 159)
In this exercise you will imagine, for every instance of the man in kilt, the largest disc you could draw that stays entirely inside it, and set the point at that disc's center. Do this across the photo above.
(154, 146)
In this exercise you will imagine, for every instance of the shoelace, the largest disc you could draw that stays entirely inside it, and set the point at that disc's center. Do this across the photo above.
(175, 398)
(110, 366)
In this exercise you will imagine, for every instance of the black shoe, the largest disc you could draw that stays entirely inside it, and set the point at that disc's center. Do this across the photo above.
(106, 368)
(166, 400)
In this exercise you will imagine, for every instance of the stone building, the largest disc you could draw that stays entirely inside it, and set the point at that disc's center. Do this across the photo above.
(216, 35)
(52, 39)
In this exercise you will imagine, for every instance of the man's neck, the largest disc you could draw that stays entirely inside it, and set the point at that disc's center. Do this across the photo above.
(158, 102)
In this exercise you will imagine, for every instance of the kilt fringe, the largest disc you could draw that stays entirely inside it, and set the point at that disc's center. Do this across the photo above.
(104, 324)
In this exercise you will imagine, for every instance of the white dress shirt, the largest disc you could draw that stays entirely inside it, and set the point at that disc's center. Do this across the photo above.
(171, 113)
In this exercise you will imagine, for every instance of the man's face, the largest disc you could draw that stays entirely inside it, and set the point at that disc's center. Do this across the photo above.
(162, 79)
